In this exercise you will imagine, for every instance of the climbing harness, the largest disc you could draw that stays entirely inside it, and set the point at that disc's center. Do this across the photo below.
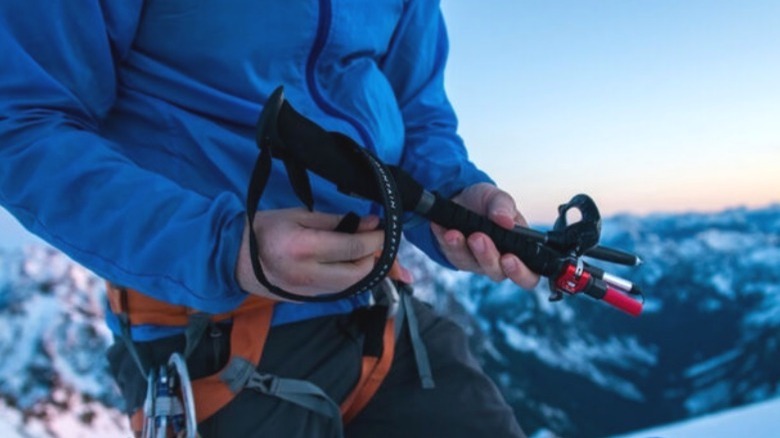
(170, 401)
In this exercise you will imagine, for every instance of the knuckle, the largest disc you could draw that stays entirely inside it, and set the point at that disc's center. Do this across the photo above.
(355, 249)
(295, 280)
(300, 249)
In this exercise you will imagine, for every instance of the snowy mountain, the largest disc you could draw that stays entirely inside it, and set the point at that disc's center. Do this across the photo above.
(53, 376)
(708, 339)
(755, 420)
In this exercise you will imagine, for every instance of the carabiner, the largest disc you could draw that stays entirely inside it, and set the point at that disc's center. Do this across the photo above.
(164, 410)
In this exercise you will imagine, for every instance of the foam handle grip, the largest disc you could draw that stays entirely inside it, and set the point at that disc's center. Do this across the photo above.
(622, 302)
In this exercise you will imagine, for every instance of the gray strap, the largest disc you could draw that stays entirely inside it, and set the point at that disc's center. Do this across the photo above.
(300, 392)
(418, 347)
(127, 338)
(196, 327)
(240, 373)
(237, 373)
(400, 320)
(126, 333)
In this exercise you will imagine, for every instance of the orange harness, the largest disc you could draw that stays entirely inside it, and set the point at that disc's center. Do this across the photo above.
(251, 325)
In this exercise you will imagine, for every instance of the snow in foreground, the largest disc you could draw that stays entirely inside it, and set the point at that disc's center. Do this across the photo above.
(760, 420)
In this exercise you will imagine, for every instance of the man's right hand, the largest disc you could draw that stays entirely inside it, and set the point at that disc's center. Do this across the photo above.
(300, 252)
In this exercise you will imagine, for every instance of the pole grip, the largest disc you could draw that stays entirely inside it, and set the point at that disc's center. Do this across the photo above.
(538, 257)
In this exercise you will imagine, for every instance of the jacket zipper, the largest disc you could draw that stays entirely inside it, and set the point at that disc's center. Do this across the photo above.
(323, 30)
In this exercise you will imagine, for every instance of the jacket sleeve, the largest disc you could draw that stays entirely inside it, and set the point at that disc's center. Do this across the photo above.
(433, 151)
(75, 189)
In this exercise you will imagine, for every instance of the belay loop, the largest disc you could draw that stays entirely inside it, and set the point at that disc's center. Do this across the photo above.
(280, 121)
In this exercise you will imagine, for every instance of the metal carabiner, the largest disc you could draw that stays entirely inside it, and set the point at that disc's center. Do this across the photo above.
(177, 363)
(163, 408)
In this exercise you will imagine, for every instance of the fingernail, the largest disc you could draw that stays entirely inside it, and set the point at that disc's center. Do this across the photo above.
(502, 212)
(509, 266)
(479, 245)
(451, 240)
(408, 278)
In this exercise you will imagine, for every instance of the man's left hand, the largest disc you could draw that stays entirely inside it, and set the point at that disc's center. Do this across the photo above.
(478, 253)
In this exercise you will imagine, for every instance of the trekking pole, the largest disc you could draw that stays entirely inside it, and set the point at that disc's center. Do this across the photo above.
(285, 134)
(556, 255)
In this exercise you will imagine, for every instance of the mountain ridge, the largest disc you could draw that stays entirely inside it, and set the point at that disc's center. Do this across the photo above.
(574, 368)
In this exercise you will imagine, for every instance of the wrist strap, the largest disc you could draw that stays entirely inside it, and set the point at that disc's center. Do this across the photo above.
(279, 128)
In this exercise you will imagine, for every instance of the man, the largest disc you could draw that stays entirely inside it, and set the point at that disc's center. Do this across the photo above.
(126, 141)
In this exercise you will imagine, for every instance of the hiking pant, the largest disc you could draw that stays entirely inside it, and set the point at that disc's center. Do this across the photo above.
(327, 351)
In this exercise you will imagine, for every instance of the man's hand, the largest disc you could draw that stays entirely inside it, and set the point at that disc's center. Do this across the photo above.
(478, 253)
(300, 252)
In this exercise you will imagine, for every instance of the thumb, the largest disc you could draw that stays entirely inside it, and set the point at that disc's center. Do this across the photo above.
(501, 209)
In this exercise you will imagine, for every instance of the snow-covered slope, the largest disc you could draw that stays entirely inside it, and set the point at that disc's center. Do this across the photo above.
(708, 340)
(759, 420)
(53, 375)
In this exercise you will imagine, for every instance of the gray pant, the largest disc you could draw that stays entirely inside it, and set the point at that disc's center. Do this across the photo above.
(327, 351)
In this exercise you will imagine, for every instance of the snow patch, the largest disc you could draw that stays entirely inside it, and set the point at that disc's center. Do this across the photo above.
(581, 357)
(756, 421)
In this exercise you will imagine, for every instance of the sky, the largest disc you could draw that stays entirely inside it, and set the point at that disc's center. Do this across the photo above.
(646, 105)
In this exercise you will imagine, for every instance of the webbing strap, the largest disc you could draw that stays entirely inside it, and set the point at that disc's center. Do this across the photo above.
(196, 327)
(300, 392)
(281, 131)
(123, 315)
(241, 373)
(247, 341)
(406, 314)
(373, 373)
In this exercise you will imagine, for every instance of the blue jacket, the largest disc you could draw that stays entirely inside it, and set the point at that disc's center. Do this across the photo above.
(126, 127)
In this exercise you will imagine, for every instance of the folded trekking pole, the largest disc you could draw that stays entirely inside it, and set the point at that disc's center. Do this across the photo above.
(302, 145)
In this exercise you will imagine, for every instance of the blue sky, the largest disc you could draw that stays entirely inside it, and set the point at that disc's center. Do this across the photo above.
(646, 105)
(653, 105)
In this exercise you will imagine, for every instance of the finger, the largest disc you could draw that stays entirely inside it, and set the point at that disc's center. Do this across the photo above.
(324, 278)
(453, 245)
(486, 255)
(501, 209)
(438, 231)
(317, 220)
(400, 272)
(334, 247)
(324, 221)
(520, 220)
(368, 223)
(518, 272)
(336, 277)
